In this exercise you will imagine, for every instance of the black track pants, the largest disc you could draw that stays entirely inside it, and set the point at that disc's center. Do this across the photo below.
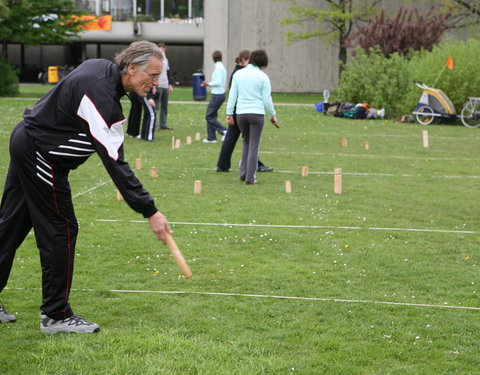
(37, 194)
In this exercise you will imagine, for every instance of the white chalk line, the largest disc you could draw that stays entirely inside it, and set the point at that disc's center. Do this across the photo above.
(246, 295)
(383, 156)
(367, 174)
(91, 189)
(298, 226)
(318, 299)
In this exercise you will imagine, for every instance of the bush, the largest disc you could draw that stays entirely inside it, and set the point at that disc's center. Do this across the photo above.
(407, 30)
(389, 82)
(8, 79)
(376, 80)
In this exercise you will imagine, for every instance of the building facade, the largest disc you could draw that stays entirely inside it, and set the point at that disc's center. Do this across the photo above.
(192, 30)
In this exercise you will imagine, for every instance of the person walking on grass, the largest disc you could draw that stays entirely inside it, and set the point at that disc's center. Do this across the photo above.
(81, 115)
(219, 79)
(233, 131)
(165, 87)
(251, 93)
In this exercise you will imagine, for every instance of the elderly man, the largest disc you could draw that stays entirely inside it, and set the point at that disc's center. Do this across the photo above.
(81, 115)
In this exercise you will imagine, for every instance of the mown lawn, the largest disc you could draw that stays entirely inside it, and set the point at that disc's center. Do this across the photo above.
(382, 279)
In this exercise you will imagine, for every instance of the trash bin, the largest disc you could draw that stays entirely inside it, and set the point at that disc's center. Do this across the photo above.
(53, 73)
(199, 92)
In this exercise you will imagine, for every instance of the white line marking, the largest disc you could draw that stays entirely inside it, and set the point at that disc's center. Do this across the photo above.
(383, 156)
(91, 189)
(318, 299)
(293, 298)
(301, 226)
(363, 174)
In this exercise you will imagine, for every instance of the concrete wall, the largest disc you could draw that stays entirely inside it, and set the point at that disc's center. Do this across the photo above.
(304, 66)
(233, 25)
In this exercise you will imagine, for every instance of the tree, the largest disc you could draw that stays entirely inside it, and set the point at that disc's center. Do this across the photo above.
(407, 30)
(464, 12)
(35, 22)
(330, 20)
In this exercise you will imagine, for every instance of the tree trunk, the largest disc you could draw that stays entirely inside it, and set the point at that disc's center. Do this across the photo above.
(4, 54)
(342, 58)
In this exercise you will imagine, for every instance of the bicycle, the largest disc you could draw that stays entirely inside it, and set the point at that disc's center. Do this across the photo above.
(470, 114)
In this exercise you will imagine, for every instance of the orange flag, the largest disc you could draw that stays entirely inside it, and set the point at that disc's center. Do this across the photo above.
(449, 63)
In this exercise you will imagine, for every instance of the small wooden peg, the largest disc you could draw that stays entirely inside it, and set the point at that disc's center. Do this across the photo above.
(344, 142)
(153, 172)
(177, 142)
(119, 195)
(138, 163)
(197, 187)
(366, 146)
(425, 138)
(288, 186)
(198, 136)
(305, 171)
(337, 181)
(189, 140)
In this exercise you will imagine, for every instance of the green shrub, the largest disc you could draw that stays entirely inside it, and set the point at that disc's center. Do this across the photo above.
(389, 82)
(8, 79)
(376, 80)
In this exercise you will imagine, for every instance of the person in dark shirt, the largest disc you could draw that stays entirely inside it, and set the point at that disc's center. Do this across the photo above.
(81, 115)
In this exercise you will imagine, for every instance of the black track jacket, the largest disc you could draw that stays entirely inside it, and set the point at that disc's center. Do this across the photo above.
(81, 115)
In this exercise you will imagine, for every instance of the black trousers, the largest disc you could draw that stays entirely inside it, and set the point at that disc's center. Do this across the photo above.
(135, 115)
(225, 158)
(37, 194)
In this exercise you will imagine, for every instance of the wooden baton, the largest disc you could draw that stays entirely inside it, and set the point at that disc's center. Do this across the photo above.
(177, 256)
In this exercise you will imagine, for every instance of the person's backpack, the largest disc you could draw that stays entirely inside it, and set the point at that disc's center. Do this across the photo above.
(360, 113)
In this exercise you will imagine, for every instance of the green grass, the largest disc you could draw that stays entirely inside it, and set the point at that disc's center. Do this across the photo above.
(336, 251)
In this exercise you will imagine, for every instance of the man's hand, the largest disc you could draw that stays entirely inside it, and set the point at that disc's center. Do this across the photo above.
(229, 120)
(159, 225)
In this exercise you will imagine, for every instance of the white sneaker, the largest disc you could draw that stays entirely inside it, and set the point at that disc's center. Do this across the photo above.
(381, 113)
(209, 141)
(5, 317)
(73, 324)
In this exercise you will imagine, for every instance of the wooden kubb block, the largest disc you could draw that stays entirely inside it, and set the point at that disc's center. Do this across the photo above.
(153, 172)
(305, 171)
(197, 188)
(288, 186)
(337, 180)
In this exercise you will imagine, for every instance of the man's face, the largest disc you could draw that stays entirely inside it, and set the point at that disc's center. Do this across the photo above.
(142, 81)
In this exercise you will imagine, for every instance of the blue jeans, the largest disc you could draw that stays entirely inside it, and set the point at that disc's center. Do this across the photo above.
(213, 125)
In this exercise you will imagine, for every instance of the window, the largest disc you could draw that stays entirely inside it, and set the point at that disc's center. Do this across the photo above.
(146, 10)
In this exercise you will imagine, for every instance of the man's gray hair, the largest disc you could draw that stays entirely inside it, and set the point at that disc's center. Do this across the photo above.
(138, 53)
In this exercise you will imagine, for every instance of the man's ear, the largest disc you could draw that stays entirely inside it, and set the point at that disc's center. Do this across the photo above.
(132, 68)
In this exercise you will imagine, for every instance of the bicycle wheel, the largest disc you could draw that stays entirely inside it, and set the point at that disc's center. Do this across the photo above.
(426, 117)
(470, 115)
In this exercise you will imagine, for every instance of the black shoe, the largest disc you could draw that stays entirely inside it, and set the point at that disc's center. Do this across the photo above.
(222, 170)
(264, 168)
(166, 128)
